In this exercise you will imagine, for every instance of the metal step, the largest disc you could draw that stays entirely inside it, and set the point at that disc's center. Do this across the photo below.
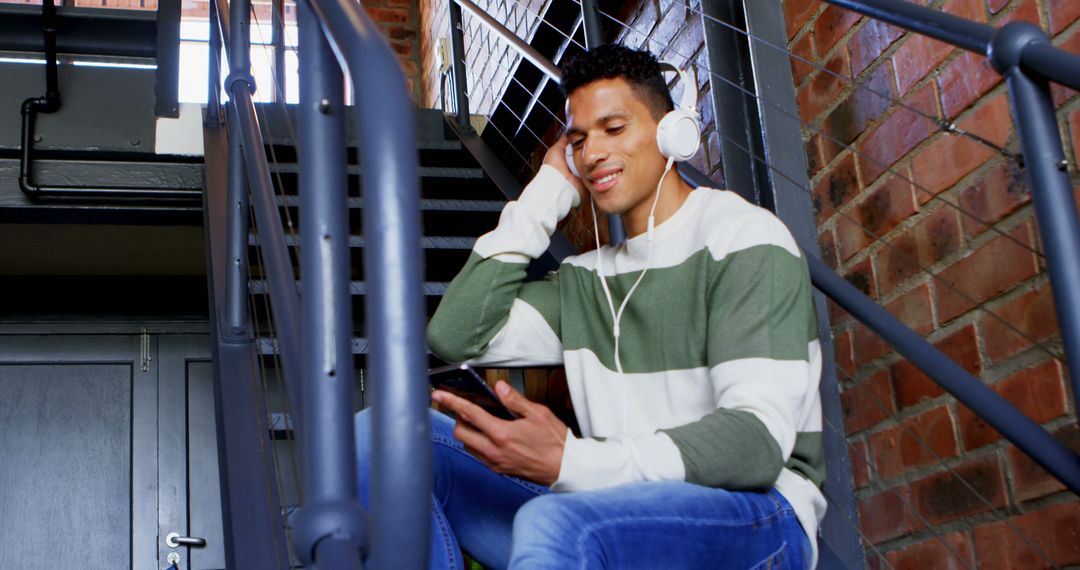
(426, 205)
(356, 241)
(420, 145)
(431, 288)
(424, 171)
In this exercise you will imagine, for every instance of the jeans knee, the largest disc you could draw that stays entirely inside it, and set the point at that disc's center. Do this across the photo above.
(547, 533)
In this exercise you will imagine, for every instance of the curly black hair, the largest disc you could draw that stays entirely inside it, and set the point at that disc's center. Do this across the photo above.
(639, 68)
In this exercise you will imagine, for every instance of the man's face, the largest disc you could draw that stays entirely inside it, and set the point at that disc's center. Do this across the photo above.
(613, 135)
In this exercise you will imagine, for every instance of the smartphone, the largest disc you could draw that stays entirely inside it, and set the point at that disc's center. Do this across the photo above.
(462, 380)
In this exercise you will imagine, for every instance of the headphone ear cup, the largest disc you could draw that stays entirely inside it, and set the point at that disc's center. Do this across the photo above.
(678, 135)
(570, 160)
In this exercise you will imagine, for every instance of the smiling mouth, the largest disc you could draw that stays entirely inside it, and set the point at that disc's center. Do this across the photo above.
(607, 182)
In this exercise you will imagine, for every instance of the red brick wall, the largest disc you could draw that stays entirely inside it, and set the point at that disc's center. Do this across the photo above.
(939, 229)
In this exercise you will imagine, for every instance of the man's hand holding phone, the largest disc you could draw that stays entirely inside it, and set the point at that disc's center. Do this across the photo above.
(530, 447)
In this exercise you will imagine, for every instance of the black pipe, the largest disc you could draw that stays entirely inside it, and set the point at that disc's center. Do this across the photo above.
(50, 103)
(457, 52)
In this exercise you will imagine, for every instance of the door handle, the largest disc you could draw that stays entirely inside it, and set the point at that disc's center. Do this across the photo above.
(174, 540)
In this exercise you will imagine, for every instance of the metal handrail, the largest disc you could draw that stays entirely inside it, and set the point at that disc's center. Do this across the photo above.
(1024, 55)
(331, 529)
(1051, 454)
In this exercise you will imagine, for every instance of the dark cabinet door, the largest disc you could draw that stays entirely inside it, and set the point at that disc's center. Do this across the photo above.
(108, 444)
(189, 487)
(78, 450)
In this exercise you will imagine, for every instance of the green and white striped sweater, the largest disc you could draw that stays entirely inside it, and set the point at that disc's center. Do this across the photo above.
(718, 344)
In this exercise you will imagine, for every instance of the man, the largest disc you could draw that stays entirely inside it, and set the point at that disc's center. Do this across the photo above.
(695, 386)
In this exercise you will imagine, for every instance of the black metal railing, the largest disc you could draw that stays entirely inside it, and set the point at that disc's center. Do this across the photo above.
(331, 530)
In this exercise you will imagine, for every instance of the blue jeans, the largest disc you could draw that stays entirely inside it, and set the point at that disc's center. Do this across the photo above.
(507, 522)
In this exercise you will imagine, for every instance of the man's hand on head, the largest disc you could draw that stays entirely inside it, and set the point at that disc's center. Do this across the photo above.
(530, 447)
(556, 158)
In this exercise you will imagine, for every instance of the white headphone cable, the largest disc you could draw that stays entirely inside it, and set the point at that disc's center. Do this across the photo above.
(617, 316)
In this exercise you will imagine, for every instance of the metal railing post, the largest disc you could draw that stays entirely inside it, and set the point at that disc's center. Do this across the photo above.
(277, 34)
(213, 103)
(284, 298)
(394, 304)
(1044, 157)
(594, 31)
(235, 321)
(457, 51)
(331, 519)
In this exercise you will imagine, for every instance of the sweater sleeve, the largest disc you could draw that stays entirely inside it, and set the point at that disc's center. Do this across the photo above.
(489, 316)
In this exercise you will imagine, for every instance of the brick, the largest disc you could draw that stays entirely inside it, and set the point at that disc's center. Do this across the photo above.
(851, 118)
(831, 25)
(867, 403)
(802, 53)
(1025, 11)
(835, 188)
(950, 552)
(912, 386)
(814, 161)
(964, 80)
(1038, 392)
(998, 193)
(913, 309)
(992, 269)
(861, 275)
(1032, 314)
(964, 491)
(845, 360)
(918, 441)
(886, 515)
(952, 157)
(894, 137)
(867, 345)
(1054, 530)
(1071, 44)
(918, 248)
(797, 13)
(389, 15)
(824, 88)
(869, 42)
(827, 242)
(836, 313)
(860, 465)
(916, 58)
(669, 24)
(1062, 13)
(1030, 481)
(688, 41)
(881, 211)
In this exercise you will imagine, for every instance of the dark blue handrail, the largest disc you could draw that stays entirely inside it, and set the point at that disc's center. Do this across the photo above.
(331, 529)
(1023, 54)
(402, 462)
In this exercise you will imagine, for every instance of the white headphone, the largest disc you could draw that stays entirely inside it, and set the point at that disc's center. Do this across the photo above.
(678, 134)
